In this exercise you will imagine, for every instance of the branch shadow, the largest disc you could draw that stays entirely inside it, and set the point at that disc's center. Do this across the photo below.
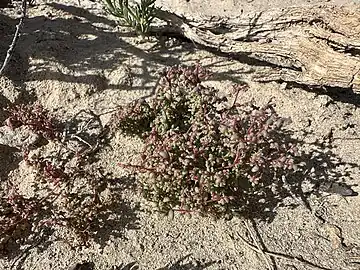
(119, 215)
(10, 158)
(40, 241)
(320, 171)
(263, 246)
(192, 265)
(83, 42)
(71, 44)
(4, 103)
(178, 265)
(343, 95)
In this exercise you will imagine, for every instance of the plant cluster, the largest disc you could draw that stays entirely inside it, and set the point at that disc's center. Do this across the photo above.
(65, 191)
(36, 118)
(17, 216)
(63, 197)
(138, 16)
(202, 154)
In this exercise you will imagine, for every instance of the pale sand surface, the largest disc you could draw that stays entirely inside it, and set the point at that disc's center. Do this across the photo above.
(65, 57)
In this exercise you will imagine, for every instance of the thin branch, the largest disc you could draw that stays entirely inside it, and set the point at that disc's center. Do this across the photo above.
(270, 266)
(282, 256)
(15, 38)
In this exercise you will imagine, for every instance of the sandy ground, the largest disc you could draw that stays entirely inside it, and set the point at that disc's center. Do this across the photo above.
(73, 57)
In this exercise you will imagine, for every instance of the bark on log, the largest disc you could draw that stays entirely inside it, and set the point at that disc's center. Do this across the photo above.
(314, 46)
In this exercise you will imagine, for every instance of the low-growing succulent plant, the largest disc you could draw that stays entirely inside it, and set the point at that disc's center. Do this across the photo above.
(202, 154)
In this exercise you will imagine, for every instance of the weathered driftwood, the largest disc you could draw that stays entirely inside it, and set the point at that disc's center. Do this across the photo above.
(315, 46)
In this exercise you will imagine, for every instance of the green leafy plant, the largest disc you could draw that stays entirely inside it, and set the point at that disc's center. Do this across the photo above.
(203, 154)
(137, 16)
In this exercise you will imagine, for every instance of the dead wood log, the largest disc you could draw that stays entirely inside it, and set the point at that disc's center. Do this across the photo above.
(314, 46)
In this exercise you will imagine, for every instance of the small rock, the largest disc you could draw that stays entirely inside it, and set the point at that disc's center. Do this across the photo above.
(325, 101)
(171, 214)
(335, 236)
(83, 132)
(283, 86)
(338, 188)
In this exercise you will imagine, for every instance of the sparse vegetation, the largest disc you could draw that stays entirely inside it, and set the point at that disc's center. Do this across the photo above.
(202, 154)
(65, 192)
(63, 196)
(205, 151)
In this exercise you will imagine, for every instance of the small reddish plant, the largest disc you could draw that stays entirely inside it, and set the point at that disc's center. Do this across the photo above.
(47, 169)
(204, 155)
(64, 198)
(63, 192)
(18, 216)
(36, 118)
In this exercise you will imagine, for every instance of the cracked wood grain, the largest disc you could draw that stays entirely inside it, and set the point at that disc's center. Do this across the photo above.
(314, 46)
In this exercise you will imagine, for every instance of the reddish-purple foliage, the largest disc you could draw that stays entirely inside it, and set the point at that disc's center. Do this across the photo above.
(36, 118)
(203, 154)
(18, 215)
(59, 203)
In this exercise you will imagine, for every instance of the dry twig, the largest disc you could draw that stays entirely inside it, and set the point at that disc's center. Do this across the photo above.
(281, 256)
(15, 38)
(270, 266)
